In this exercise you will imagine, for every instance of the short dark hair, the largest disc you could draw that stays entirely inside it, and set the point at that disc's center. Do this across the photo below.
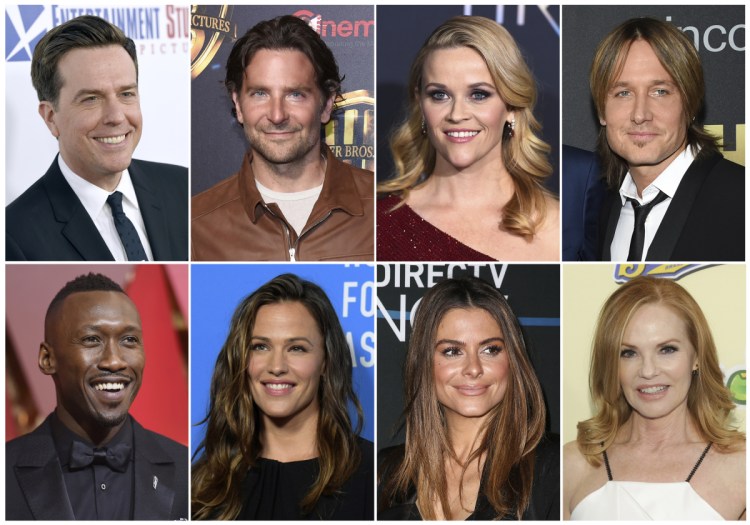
(680, 59)
(81, 32)
(285, 32)
(91, 282)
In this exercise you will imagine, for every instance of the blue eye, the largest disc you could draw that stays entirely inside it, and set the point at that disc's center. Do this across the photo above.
(438, 95)
(669, 349)
(480, 95)
(627, 353)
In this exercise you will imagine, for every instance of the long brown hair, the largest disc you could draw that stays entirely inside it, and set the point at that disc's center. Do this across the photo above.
(709, 401)
(510, 433)
(677, 55)
(525, 155)
(232, 443)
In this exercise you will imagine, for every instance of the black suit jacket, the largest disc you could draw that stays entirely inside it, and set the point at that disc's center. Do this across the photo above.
(583, 193)
(545, 487)
(49, 223)
(35, 490)
(705, 220)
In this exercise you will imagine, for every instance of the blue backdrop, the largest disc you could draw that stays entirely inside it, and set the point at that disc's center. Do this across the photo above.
(217, 289)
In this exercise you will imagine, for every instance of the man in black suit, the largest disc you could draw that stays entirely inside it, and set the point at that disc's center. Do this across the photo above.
(95, 202)
(673, 197)
(90, 460)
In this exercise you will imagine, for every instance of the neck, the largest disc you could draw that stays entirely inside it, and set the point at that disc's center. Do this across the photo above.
(299, 175)
(97, 434)
(290, 439)
(107, 181)
(644, 176)
(465, 434)
(674, 428)
(472, 185)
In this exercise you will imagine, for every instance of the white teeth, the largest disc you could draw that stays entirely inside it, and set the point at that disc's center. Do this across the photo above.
(462, 134)
(278, 386)
(111, 140)
(109, 386)
(653, 389)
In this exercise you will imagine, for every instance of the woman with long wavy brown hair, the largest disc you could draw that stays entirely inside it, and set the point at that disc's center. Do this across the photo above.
(661, 444)
(279, 441)
(470, 166)
(475, 416)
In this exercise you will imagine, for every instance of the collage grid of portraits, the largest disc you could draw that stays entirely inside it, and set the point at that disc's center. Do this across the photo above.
(186, 307)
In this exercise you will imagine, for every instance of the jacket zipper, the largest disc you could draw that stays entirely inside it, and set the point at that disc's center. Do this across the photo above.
(293, 249)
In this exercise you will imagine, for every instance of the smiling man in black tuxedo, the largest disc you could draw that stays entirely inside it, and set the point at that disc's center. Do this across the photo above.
(90, 460)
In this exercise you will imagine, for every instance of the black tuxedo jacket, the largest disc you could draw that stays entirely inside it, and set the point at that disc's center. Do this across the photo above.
(705, 220)
(35, 490)
(49, 223)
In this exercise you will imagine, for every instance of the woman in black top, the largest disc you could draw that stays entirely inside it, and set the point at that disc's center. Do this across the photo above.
(279, 442)
(475, 417)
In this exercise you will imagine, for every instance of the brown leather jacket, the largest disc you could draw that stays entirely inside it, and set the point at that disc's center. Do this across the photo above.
(230, 221)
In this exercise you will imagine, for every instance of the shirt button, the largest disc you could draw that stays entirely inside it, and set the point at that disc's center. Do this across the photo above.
(103, 486)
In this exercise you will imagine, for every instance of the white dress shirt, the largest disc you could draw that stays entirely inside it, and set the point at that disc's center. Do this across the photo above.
(94, 200)
(667, 182)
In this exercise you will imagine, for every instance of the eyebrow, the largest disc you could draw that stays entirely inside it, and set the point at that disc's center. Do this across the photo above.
(622, 83)
(462, 343)
(673, 340)
(471, 86)
(287, 340)
(86, 91)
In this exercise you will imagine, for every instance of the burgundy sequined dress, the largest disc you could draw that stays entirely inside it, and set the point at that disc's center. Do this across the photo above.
(405, 236)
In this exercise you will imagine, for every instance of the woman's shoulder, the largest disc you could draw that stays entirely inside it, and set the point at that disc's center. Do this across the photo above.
(573, 458)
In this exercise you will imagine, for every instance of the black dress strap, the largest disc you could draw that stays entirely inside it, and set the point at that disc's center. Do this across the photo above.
(698, 463)
(606, 465)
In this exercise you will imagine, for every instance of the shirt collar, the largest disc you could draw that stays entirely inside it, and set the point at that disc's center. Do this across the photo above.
(92, 196)
(667, 181)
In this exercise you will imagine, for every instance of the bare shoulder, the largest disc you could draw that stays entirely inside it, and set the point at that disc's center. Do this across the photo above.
(574, 462)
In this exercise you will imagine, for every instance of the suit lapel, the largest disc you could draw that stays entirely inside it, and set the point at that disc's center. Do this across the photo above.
(79, 229)
(154, 478)
(151, 211)
(671, 226)
(610, 216)
(40, 478)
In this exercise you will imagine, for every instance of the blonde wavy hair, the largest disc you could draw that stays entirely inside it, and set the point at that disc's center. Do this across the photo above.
(709, 401)
(524, 154)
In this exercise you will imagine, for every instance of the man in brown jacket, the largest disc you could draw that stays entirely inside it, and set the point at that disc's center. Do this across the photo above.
(292, 199)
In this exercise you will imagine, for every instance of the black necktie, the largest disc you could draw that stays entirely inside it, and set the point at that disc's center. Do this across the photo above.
(116, 456)
(639, 225)
(125, 229)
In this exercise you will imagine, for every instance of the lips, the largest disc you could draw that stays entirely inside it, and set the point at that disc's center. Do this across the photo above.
(471, 390)
(111, 388)
(277, 388)
(653, 390)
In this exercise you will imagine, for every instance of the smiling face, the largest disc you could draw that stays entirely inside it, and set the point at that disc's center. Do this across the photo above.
(281, 107)
(643, 113)
(463, 111)
(470, 363)
(94, 353)
(287, 359)
(97, 117)
(656, 362)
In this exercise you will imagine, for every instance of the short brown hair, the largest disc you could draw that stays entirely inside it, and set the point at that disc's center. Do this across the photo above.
(677, 55)
(80, 32)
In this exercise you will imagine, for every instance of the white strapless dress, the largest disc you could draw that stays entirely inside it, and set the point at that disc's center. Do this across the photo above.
(637, 500)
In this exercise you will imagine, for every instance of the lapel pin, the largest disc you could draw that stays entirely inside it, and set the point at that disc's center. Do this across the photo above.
(156, 482)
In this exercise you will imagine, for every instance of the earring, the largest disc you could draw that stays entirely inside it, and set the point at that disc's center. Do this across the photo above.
(424, 127)
(695, 372)
(510, 128)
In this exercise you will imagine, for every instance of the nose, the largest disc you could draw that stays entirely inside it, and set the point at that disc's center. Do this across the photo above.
(641, 108)
(114, 113)
(649, 367)
(277, 112)
(277, 362)
(112, 359)
(458, 110)
(472, 365)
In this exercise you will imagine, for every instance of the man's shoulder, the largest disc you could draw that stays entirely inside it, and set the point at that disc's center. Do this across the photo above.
(218, 195)
(159, 172)
(363, 179)
(174, 450)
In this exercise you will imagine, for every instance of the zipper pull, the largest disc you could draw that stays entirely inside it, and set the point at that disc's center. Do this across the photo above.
(291, 255)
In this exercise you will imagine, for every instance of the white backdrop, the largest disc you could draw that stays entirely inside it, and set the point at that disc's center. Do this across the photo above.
(162, 38)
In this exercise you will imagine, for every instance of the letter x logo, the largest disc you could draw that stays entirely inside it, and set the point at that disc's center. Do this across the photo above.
(24, 26)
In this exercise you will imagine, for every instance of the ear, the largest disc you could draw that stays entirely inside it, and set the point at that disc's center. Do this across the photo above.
(325, 114)
(48, 114)
(47, 361)
(602, 121)
(236, 102)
